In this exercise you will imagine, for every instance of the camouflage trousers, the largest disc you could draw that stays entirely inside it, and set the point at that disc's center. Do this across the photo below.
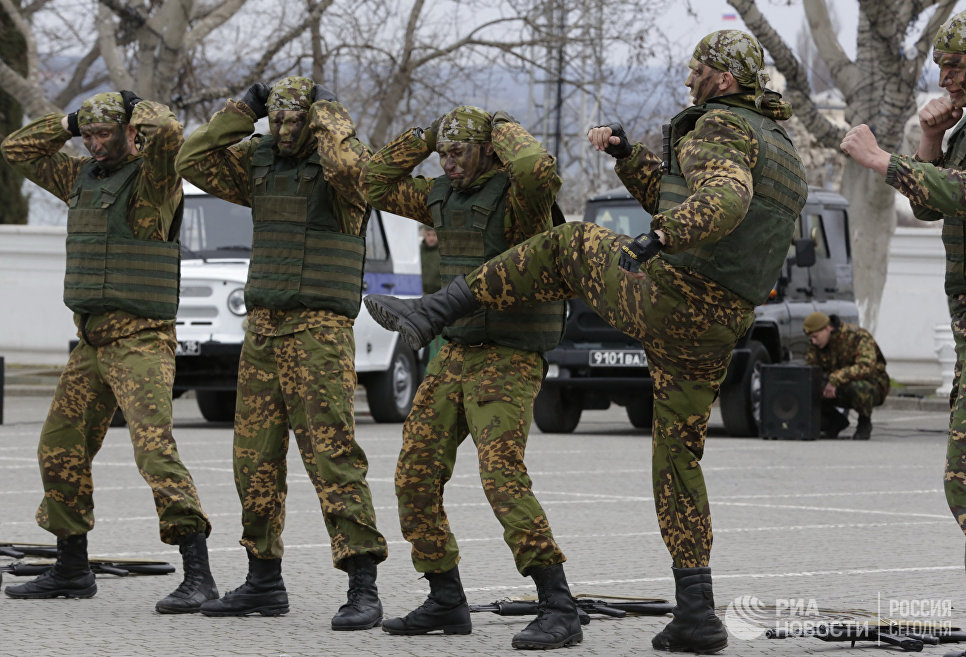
(135, 372)
(306, 381)
(955, 474)
(688, 327)
(487, 392)
(861, 396)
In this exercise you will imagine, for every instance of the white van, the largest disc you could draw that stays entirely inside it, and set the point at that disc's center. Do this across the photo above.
(216, 240)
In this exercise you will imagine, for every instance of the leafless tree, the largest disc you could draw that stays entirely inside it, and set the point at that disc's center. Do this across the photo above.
(893, 39)
(396, 63)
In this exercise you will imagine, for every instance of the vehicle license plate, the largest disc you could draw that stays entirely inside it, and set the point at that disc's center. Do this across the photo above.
(617, 358)
(188, 348)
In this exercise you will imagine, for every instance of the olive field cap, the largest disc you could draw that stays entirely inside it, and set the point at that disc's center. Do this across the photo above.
(815, 322)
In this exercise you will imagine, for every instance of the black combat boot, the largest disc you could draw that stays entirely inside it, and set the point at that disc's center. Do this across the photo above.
(420, 320)
(445, 609)
(69, 577)
(833, 422)
(198, 584)
(363, 609)
(863, 431)
(557, 624)
(262, 593)
(695, 627)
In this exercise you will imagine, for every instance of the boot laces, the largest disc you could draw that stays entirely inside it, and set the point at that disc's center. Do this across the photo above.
(192, 580)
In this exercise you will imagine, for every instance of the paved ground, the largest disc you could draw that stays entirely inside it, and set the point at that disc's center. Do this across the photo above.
(822, 526)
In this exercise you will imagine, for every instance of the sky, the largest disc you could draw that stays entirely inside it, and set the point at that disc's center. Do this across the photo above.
(786, 16)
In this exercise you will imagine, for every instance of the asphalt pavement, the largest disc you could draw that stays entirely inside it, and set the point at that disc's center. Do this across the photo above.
(804, 532)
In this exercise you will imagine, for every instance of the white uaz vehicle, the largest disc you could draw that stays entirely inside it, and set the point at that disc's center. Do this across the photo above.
(216, 239)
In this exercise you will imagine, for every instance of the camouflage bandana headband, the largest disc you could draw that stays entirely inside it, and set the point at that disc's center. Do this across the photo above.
(951, 37)
(291, 93)
(107, 107)
(738, 53)
(465, 123)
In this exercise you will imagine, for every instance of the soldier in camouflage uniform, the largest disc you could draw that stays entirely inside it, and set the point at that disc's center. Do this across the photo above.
(497, 190)
(725, 209)
(122, 278)
(297, 366)
(934, 182)
(853, 369)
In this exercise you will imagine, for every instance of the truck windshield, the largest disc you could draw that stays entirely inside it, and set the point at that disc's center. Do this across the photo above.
(626, 217)
(213, 228)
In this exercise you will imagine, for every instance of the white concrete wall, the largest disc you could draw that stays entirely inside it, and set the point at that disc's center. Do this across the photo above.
(35, 325)
(913, 306)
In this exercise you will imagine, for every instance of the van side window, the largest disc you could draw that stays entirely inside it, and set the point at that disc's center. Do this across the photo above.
(376, 248)
(815, 228)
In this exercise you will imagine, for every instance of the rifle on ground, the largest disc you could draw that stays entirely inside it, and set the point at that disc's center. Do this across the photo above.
(908, 637)
(20, 550)
(99, 565)
(615, 607)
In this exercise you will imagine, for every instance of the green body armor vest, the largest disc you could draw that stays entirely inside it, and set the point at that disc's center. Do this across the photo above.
(108, 268)
(470, 229)
(749, 259)
(300, 257)
(954, 228)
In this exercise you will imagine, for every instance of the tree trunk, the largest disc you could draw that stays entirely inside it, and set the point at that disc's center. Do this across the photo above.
(13, 50)
(872, 221)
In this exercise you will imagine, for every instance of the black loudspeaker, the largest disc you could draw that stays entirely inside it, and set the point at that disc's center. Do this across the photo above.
(791, 402)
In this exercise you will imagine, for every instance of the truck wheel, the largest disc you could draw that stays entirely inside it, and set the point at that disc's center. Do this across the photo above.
(741, 401)
(641, 414)
(390, 393)
(216, 405)
(555, 411)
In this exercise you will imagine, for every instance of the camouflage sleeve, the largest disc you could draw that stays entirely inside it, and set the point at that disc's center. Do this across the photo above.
(158, 192)
(716, 159)
(215, 158)
(859, 349)
(343, 159)
(811, 358)
(534, 180)
(33, 151)
(389, 184)
(932, 191)
(641, 174)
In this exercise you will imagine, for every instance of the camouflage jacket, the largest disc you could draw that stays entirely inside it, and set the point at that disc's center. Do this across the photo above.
(217, 158)
(850, 355)
(933, 189)
(34, 151)
(534, 182)
(716, 160)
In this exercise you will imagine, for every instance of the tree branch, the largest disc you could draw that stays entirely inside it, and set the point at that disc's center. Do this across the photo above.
(110, 52)
(75, 86)
(213, 19)
(798, 87)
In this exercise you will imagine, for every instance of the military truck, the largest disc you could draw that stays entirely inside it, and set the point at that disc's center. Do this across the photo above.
(596, 365)
(216, 240)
